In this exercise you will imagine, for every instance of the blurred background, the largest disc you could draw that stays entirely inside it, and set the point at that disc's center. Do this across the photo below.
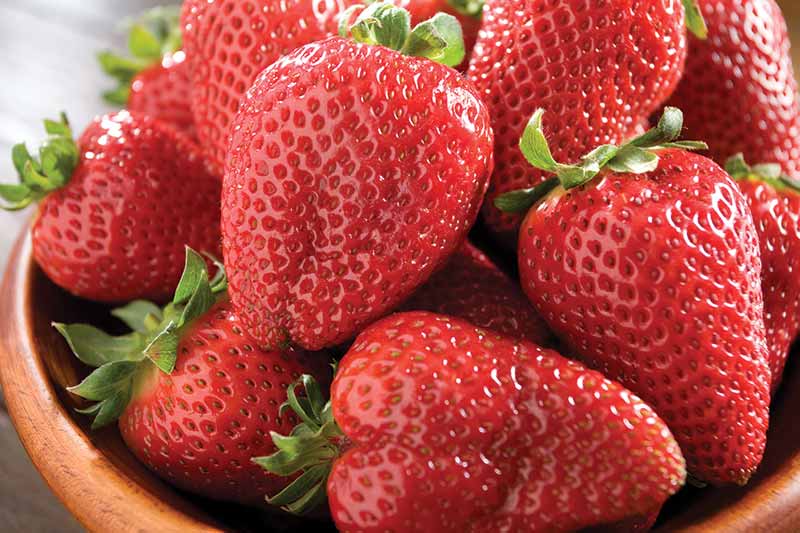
(47, 64)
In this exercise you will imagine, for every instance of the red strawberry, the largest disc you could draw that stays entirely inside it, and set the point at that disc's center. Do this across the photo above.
(348, 183)
(454, 429)
(229, 43)
(598, 69)
(649, 272)
(118, 207)
(468, 13)
(775, 203)
(739, 90)
(194, 396)
(155, 80)
(471, 287)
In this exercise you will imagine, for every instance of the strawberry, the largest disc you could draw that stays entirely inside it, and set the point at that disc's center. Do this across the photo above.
(468, 13)
(229, 43)
(194, 396)
(739, 90)
(117, 207)
(349, 183)
(644, 260)
(155, 80)
(598, 70)
(454, 429)
(471, 287)
(775, 203)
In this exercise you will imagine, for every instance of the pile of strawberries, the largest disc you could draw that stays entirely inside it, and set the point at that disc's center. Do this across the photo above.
(293, 181)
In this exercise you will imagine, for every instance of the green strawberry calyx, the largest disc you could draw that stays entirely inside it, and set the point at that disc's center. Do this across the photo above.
(153, 35)
(39, 176)
(637, 156)
(695, 22)
(470, 8)
(439, 38)
(123, 363)
(769, 173)
(310, 448)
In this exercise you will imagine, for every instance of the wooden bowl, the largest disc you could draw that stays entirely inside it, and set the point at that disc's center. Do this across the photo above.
(104, 486)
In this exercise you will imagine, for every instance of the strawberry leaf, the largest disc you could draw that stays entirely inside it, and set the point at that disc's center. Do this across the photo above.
(439, 38)
(143, 44)
(57, 159)
(634, 160)
(311, 448)
(163, 348)
(95, 347)
(152, 36)
(769, 173)
(138, 314)
(522, 200)
(470, 8)
(106, 380)
(694, 19)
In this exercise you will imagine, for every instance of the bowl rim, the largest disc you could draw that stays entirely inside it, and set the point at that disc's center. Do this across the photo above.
(78, 473)
(103, 497)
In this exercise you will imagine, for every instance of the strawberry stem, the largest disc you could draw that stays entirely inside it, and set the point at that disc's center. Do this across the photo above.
(125, 361)
(769, 173)
(439, 38)
(637, 156)
(310, 449)
(57, 159)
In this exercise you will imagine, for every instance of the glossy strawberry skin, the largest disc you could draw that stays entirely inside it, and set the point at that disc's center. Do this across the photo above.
(229, 43)
(118, 230)
(654, 280)
(457, 429)
(597, 71)
(163, 91)
(348, 185)
(472, 288)
(199, 427)
(739, 92)
(777, 218)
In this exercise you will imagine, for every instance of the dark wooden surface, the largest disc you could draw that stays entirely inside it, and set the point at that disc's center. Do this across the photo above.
(47, 65)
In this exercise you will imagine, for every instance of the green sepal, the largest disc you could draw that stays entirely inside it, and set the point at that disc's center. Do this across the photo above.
(769, 173)
(637, 156)
(439, 38)
(310, 448)
(152, 36)
(49, 170)
(152, 344)
(95, 348)
(470, 8)
(521, 201)
(139, 315)
(695, 22)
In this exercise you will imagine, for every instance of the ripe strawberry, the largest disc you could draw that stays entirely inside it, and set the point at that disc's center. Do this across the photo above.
(229, 43)
(468, 13)
(739, 90)
(644, 259)
(349, 183)
(117, 207)
(775, 203)
(194, 396)
(155, 80)
(454, 429)
(471, 287)
(599, 71)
